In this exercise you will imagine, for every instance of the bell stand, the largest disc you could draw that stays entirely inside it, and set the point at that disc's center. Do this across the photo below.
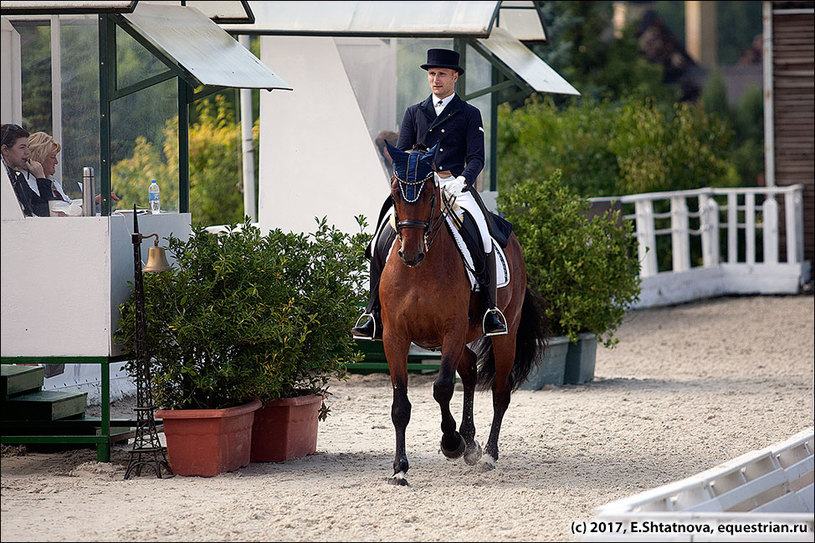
(147, 449)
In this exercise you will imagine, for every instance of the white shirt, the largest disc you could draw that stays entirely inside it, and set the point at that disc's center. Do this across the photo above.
(440, 104)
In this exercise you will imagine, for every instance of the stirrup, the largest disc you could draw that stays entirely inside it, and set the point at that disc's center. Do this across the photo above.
(501, 318)
(357, 325)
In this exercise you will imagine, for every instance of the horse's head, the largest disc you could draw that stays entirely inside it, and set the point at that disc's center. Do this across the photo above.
(413, 201)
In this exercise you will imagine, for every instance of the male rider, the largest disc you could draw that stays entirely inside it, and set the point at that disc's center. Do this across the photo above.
(447, 120)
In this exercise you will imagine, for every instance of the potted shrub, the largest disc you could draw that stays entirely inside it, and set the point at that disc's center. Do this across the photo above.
(245, 318)
(585, 269)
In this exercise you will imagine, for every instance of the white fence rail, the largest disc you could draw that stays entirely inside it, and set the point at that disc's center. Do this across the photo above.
(770, 488)
(712, 235)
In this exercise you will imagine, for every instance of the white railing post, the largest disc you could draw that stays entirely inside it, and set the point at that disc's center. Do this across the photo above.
(732, 227)
(750, 227)
(789, 221)
(709, 226)
(798, 202)
(680, 245)
(769, 214)
(647, 242)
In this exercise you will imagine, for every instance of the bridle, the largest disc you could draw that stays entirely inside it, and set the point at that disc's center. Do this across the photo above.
(432, 225)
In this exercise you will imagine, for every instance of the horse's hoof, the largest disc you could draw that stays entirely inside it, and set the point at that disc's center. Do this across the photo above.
(453, 454)
(398, 479)
(473, 454)
(487, 464)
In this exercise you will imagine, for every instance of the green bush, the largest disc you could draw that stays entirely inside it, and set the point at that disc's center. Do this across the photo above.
(244, 315)
(612, 149)
(585, 269)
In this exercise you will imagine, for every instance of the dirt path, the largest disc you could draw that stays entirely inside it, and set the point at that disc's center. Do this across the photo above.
(687, 388)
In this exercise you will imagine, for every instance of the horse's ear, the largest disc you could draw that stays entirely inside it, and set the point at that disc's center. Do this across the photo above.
(399, 159)
(430, 155)
(394, 151)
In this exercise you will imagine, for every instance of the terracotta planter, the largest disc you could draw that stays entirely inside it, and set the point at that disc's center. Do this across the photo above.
(286, 429)
(206, 442)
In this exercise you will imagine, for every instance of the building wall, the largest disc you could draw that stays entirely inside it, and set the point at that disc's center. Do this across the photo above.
(793, 44)
(317, 158)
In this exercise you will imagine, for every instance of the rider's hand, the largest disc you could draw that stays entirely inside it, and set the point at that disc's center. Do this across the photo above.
(456, 186)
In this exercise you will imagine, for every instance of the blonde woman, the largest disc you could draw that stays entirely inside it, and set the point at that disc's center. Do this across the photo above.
(44, 150)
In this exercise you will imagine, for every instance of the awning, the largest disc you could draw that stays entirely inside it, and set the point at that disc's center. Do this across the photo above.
(523, 20)
(371, 19)
(14, 7)
(221, 11)
(198, 46)
(507, 50)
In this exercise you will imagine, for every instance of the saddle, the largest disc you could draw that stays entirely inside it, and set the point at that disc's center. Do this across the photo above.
(499, 228)
(465, 233)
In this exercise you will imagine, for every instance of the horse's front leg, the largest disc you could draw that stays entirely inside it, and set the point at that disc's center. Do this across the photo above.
(468, 371)
(452, 443)
(396, 351)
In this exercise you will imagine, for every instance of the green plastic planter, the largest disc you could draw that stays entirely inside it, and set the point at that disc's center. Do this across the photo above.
(552, 367)
(580, 360)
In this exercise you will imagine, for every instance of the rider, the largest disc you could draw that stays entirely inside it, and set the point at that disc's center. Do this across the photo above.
(444, 119)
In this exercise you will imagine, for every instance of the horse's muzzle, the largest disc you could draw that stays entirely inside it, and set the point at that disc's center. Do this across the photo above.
(412, 262)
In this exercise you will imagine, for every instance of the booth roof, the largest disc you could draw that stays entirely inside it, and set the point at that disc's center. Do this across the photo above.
(394, 19)
(202, 48)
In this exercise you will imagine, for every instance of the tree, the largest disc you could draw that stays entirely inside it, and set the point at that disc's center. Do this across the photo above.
(587, 54)
(216, 189)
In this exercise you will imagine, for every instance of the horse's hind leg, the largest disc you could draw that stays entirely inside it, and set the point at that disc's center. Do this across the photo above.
(504, 351)
(452, 444)
(469, 375)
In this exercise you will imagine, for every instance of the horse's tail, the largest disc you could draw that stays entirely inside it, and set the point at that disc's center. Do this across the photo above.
(529, 346)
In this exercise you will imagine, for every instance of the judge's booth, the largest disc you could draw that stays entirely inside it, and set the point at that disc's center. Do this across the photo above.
(119, 72)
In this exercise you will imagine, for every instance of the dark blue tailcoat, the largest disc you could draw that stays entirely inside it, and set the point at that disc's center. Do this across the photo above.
(458, 131)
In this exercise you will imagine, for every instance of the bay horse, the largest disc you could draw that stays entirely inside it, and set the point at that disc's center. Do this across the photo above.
(426, 298)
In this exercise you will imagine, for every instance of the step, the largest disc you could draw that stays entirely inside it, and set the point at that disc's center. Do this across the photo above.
(45, 405)
(120, 429)
(18, 379)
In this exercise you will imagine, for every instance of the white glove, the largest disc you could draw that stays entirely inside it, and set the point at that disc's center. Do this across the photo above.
(455, 186)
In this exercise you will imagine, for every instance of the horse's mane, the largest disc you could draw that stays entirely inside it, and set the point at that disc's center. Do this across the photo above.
(419, 147)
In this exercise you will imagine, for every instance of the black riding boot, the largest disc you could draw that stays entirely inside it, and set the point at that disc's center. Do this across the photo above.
(371, 327)
(492, 322)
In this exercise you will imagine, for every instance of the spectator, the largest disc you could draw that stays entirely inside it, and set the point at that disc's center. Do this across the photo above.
(386, 136)
(44, 150)
(27, 178)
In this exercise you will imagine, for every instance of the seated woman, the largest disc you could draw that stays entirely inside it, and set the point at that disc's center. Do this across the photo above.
(44, 150)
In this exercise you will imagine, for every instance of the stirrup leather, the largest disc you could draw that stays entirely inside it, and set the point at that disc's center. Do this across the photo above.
(357, 325)
(501, 317)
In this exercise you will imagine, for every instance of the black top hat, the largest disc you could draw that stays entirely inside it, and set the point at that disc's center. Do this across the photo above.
(442, 58)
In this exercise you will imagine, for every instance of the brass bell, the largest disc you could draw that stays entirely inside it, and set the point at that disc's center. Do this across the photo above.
(156, 261)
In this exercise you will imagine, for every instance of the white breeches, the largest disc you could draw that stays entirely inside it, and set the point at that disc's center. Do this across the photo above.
(466, 201)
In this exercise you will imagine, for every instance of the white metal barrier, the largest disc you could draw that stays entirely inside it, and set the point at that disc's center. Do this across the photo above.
(764, 495)
(726, 223)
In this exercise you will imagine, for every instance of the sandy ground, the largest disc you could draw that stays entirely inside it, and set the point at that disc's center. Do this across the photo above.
(687, 388)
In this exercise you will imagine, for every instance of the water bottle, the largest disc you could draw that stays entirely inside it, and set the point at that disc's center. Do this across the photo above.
(155, 203)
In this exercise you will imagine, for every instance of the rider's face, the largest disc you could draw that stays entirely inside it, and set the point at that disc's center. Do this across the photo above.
(442, 81)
